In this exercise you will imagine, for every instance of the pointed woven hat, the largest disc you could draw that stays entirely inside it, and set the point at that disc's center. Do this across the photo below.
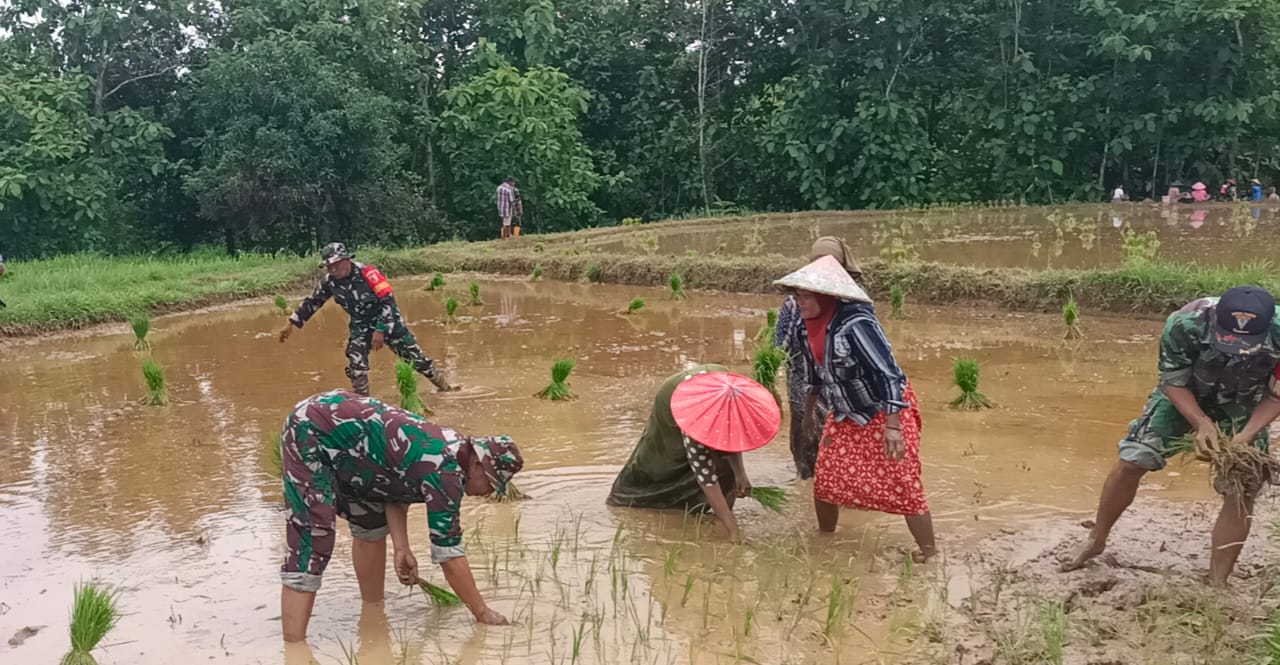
(826, 276)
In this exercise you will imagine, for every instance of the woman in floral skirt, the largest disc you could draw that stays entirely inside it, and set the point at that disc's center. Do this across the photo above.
(869, 456)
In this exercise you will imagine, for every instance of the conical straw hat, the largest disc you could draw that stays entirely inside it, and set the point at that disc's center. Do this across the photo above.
(826, 276)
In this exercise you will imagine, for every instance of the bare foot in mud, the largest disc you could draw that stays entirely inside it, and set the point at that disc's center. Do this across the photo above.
(1083, 554)
(921, 557)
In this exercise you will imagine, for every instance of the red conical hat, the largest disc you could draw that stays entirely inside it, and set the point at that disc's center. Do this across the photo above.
(827, 276)
(726, 412)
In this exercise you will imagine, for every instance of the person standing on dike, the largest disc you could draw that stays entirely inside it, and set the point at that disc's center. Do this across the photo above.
(869, 455)
(1218, 361)
(804, 441)
(366, 296)
(690, 455)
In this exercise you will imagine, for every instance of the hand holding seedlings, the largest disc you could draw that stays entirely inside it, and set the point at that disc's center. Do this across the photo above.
(1206, 439)
(379, 340)
(406, 566)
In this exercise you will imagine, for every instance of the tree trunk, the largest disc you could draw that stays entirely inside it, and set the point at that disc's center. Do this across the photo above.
(703, 47)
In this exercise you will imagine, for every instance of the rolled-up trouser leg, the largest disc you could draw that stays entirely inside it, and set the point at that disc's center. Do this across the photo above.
(309, 498)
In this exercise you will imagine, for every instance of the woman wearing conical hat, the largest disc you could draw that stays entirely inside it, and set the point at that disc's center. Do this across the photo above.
(869, 455)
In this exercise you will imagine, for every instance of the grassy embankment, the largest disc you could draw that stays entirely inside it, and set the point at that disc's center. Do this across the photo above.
(77, 291)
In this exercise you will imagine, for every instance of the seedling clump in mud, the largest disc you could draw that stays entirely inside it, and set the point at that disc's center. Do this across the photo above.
(966, 378)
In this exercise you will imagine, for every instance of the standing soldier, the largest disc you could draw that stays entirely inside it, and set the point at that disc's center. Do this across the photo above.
(365, 294)
(510, 208)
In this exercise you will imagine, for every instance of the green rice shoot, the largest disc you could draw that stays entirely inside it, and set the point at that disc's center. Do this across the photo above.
(475, 294)
(559, 388)
(677, 287)
(536, 274)
(768, 360)
(407, 384)
(141, 325)
(1071, 317)
(512, 494)
(157, 393)
(282, 304)
(595, 273)
(896, 300)
(450, 308)
(92, 617)
(275, 456)
(439, 595)
(770, 329)
(436, 283)
(966, 379)
(636, 305)
(771, 497)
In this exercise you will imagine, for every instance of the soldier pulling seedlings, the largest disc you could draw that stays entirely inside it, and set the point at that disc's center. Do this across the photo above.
(1218, 362)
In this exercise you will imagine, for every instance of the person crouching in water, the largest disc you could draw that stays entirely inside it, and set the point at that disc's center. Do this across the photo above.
(869, 455)
(348, 455)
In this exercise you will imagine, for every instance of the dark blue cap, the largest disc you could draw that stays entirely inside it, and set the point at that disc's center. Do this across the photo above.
(1244, 316)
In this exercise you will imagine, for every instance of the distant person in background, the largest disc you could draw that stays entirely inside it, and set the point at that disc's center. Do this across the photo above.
(1199, 193)
(510, 207)
(1255, 190)
(2, 305)
(1273, 196)
(1118, 196)
(1228, 191)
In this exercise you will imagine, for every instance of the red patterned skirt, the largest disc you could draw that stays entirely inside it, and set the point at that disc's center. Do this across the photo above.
(854, 471)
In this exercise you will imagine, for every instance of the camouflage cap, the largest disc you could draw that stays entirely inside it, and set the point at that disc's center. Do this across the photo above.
(500, 458)
(333, 253)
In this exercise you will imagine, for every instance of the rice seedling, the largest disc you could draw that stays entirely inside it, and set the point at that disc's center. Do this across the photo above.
(768, 360)
(436, 283)
(636, 305)
(475, 294)
(773, 498)
(835, 609)
(510, 494)
(282, 305)
(896, 299)
(450, 308)
(275, 456)
(439, 595)
(559, 388)
(407, 384)
(966, 379)
(1070, 316)
(595, 273)
(1239, 470)
(688, 586)
(157, 394)
(536, 274)
(93, 615)
(767, 333)
(1053, 625)
(677, 286)
(141, 325)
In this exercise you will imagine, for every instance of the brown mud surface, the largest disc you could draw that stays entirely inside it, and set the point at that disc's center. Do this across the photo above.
(176, 508)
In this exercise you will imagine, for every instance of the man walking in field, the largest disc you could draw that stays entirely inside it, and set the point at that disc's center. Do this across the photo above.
(365, 294)
(1218, 361)
(510, 207)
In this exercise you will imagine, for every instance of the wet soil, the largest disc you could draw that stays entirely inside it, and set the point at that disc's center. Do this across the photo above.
(175, 505)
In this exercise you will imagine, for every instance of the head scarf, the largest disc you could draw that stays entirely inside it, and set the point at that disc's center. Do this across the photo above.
(500, 459)
(835, 247)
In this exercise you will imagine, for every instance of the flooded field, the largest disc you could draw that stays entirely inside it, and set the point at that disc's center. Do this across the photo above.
(175, 505)
(1035, 238)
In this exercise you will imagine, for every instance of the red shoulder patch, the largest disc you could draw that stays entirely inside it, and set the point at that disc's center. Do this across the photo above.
(376, 281)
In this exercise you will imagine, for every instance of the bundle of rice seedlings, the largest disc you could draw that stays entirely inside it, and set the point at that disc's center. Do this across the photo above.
(595, 273)
(475, 294)
(966, 378)
(407, 384)
(436, 283)
(537, 248)
(282, 305)
(275, 456)
(450, 308)
(512, 494)
(636, 305)
(896, 299)
(536, 274)
(157, 394)
(92, 617)
(141, 326)
(768, 360)
(677, 287)
(773, 498)
(766, 334)
(1239, 470)
(559, 388)
(1070, 315)
(439, 595)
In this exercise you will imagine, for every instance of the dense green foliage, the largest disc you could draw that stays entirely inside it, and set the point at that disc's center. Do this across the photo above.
(282, 124)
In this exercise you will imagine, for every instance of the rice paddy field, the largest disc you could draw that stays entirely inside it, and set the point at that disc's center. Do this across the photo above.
(174, 506)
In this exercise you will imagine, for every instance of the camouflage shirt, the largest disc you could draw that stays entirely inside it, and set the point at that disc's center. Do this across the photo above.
(365, 295)
(381, 454)
(1189, 360)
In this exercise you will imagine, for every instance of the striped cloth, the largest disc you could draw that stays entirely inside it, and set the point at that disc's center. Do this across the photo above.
(508, 195)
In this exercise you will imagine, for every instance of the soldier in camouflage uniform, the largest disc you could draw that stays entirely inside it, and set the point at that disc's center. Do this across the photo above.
(1218, 370)
(354, 456)
(365, 294)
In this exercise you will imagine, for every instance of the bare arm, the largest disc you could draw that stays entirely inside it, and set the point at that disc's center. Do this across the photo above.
(1185, 402)
(740, 478)
(458, 573)
(715, 499)
(1262, 416)
(398, 523)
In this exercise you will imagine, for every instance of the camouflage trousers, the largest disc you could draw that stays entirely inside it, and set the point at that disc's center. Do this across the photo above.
(399, 340)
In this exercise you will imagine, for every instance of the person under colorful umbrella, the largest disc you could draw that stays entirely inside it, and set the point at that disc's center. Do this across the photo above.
(690, 454)
(869, 456)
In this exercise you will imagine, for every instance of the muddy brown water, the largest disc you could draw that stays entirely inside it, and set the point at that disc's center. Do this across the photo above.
(1033, 238)
(174, 505)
